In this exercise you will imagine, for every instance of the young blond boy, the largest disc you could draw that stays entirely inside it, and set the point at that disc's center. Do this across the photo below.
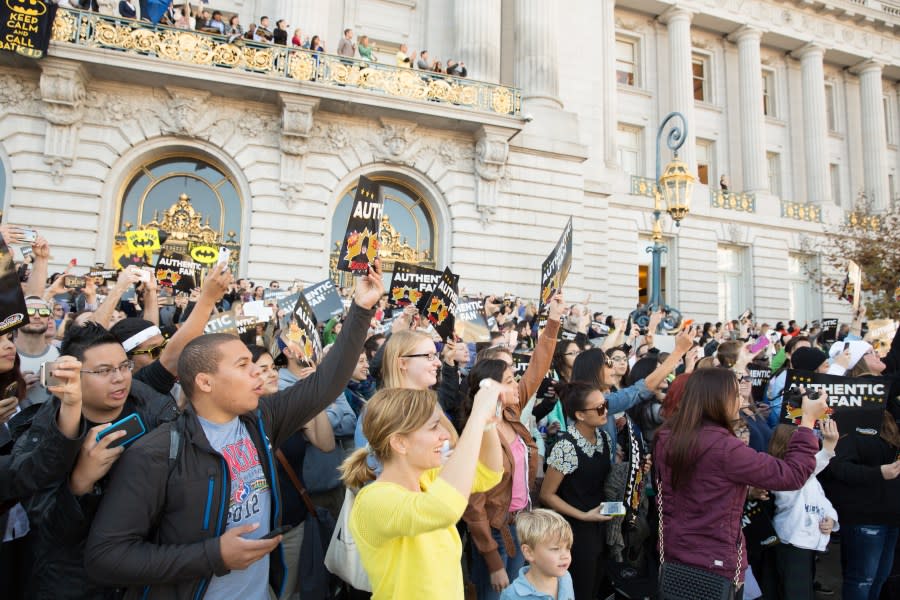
(546, 540)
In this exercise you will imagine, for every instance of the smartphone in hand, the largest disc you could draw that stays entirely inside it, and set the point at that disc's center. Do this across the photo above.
(133, 427)
(48, 380)
(278, 531)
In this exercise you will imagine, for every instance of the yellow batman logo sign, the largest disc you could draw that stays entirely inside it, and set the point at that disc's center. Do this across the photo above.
(32, 8)
(205, 255)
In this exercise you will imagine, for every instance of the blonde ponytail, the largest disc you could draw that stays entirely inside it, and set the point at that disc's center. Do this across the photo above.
(355, 470)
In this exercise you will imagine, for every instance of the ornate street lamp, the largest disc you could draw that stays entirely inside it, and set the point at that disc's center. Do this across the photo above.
(674, 187)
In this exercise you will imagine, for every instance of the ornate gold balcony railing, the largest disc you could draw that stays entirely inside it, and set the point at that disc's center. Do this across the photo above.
(740, 201)
(642, 186)
(863, 221)
(92, 30)
(801, 211)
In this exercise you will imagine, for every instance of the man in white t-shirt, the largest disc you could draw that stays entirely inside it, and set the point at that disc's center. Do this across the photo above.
(34, 350)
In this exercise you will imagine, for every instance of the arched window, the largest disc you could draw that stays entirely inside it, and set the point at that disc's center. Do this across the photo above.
(195, 201)
(408, 233)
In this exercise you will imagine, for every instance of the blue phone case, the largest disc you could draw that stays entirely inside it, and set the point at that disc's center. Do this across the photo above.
(135, 434)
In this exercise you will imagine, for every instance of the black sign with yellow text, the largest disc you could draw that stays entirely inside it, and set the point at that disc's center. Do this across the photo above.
(26, 26)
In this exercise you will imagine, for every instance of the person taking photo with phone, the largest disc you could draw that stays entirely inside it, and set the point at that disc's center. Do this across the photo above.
(151, 535)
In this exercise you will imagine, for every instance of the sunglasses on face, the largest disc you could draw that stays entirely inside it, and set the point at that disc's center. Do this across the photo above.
(153, 352)
(41, 312)
(601, 410)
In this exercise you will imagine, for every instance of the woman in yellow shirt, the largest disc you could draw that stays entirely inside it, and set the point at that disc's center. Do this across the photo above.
(404, 524)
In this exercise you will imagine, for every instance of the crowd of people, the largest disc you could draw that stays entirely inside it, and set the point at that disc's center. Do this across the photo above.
(144, 458)
(183, 16)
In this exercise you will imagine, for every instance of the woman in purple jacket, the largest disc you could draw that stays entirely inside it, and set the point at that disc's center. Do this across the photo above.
(704, 471)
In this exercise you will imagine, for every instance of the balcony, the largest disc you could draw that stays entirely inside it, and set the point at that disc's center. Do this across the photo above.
(739, 201)
(371, 82)
(801, 211)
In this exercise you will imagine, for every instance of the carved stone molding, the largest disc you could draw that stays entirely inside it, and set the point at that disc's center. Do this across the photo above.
(18, 94)
(62, 88)
(297, 125)
(185, 113)
(395, 142)
(491, 153)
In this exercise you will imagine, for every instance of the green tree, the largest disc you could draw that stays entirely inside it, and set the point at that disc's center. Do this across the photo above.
(870, 238)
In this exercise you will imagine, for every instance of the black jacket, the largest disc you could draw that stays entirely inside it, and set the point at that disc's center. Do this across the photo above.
(60, 521)
(855, 486)
(40, 459)
(158, 525)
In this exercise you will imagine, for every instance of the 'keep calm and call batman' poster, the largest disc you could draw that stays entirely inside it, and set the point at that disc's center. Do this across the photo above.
(360, 246)
(556, 268)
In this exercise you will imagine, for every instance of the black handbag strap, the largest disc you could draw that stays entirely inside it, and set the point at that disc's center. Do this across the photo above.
(662, 556)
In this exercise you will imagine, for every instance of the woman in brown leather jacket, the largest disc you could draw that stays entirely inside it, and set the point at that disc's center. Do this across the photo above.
(490, 515)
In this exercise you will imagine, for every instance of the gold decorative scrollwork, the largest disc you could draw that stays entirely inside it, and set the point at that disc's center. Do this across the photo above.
(739, 201)
(301, 66)
(63, 27)
(501, 100)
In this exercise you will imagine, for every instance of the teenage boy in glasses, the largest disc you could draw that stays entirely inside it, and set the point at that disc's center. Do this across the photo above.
(34, 349)
(61, 516)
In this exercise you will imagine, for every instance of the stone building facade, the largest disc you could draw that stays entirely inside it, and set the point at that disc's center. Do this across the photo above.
(795, 103)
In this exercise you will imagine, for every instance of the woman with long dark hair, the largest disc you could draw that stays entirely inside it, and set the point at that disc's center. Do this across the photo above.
(704, 470)
(573, 484)
(594, 368)
(491, 514)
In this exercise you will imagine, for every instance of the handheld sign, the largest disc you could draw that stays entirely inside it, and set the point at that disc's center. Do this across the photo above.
(13, 311)
(853, 402)
(555, 269)
(471, 326)
(301, 335)
(829, 330)
(324, 300)
(360, 245)
(205, 255)
(441, 305)
(412, 284)
(177, 271)
(142, 241)
(229, 322)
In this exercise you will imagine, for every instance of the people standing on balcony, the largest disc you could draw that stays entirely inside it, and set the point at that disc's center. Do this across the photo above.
(297, 40)
(217, 25)
(203, 21)
(366, 49)
(316, 44)
(346, 47)
(423, 63)
(723, 183)
(404, 59)
(437, 67)
(263, 33)
(280, 34)
(457, 69)
(251, 32)
(183, 21)
(234, 29)
(127, 10)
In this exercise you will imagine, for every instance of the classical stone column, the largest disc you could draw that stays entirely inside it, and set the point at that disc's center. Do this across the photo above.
(536, 67)
(814, 122)
(610, 87)
(681, 80)
(874, 138)
(477, 25)
(753, 120)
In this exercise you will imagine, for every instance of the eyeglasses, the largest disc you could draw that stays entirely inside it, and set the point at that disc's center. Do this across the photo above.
(153, 352)
(572, 353)
(601, 410)
(41, 312)
(106, 372)
(618, 359)
(428, 355)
